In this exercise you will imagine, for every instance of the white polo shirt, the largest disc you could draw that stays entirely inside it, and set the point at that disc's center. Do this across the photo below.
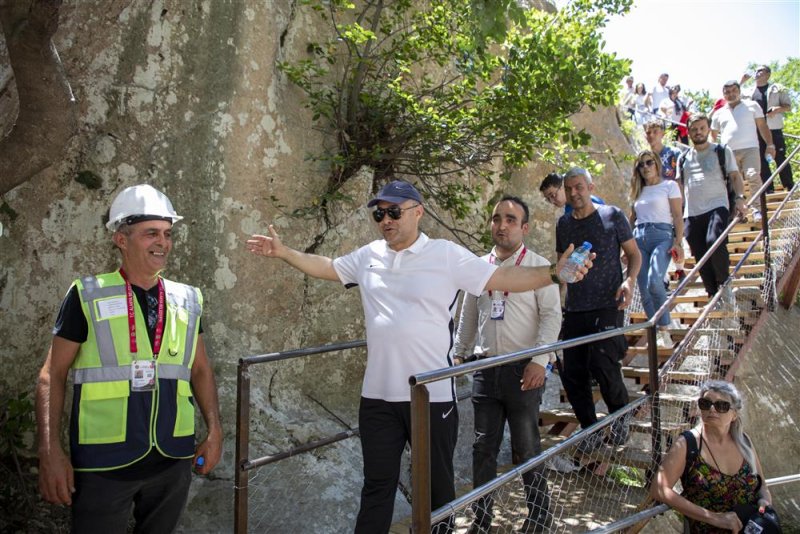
(737, 126)
(409, 299)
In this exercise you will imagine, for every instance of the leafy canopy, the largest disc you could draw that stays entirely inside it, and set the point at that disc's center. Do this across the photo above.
(445, 90)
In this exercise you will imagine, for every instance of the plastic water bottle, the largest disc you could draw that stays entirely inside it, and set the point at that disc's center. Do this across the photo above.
(548, 370)
(770, 161)
(575, 262)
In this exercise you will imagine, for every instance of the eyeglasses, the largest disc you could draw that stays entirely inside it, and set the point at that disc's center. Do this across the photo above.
(721, 406)
(645, 163)
(395, 212)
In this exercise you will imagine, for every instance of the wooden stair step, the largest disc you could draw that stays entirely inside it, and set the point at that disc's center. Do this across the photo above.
(737, 282)
(641, 375)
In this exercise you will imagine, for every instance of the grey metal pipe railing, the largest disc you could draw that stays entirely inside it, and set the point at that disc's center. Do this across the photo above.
(661, 508)
(243, 464)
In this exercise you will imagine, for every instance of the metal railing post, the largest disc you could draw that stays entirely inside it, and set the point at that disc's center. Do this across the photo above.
(242, 448)
(655, 409)
(420, 460)
(769, 274)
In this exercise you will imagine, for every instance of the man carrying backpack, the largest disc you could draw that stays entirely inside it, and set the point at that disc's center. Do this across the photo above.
(707, 172)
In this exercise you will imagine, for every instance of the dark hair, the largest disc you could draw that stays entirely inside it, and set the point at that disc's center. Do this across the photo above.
(521, 203)
(654, 123)
(551, 180)
(696, 117)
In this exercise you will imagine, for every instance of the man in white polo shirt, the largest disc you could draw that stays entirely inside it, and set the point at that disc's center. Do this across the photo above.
(737, 125)
(409, 285)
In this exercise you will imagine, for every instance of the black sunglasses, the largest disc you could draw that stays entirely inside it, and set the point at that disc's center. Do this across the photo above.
(721, 406)
(645, 163)
(395, 212)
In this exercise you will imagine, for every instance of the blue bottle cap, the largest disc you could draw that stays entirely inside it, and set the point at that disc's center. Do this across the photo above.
(200, 461)
(587, 245)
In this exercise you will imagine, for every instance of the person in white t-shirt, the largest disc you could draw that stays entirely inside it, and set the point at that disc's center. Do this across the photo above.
(658, 229)
(660, 92)
(409, 285)
(737, 124)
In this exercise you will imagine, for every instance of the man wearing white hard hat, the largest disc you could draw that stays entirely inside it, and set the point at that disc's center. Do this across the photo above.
(133, 344)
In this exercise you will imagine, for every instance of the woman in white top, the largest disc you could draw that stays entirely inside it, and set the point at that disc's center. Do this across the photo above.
(658, 229)
(641, 103)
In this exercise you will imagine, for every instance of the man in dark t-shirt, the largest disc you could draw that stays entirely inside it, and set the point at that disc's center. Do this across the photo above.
(596, 303)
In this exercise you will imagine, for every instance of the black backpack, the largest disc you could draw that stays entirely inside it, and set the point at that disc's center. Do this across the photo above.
(720, 150)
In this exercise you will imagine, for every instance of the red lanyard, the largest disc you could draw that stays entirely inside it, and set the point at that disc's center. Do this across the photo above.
(519, 260)
(132, 316)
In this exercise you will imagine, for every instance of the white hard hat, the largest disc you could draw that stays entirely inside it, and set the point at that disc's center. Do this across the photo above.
(140, 203)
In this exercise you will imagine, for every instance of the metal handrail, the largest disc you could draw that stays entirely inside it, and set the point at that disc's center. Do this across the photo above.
(661, 508)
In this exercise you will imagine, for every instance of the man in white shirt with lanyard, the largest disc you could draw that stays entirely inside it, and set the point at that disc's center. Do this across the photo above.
(409, 285)
(497, 323)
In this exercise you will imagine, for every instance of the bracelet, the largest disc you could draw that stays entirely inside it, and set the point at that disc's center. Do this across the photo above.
(553, 275)
(773, 146)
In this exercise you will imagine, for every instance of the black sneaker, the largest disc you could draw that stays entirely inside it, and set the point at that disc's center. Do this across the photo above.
(591, 443)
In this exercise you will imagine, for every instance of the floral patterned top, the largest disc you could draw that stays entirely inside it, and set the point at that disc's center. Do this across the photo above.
(718, 492)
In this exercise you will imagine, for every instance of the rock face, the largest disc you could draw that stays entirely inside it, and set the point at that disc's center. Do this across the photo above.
(186, 96)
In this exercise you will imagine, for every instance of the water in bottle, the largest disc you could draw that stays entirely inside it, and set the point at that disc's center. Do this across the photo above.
(548, 370)
(575, 262)
(770, 161)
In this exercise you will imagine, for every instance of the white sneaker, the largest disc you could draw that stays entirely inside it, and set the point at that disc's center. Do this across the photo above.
(756, 215)
(561, 464)
(664, 339)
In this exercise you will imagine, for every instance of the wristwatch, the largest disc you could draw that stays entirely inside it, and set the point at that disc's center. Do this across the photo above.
(554, 275)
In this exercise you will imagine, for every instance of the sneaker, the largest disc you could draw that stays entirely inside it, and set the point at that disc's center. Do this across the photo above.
(591, 443)
(756, 215)
(619, 432)
(561, 464)
(664, 339)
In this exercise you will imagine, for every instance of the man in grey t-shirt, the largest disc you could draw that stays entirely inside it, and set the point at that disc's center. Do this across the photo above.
(706, 211)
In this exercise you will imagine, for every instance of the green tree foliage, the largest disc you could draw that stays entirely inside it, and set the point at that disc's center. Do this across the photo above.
(444, 90)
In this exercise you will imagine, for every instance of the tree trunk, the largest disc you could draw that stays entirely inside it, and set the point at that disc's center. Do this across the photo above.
(47, 110)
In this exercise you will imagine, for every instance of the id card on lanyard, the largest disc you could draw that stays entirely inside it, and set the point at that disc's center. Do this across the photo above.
(499, 306)
(143, 372)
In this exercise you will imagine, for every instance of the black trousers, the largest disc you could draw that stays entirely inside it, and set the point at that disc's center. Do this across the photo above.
(385, 428)
(102, 501)
(780, 157)
(497, 398)
(701, 231)
(599, 360)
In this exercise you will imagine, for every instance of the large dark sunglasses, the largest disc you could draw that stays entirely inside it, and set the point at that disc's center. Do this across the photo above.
(721, 406)
(645, 163)
(395, 212)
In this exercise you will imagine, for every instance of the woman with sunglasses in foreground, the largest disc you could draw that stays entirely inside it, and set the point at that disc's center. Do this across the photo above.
(724, 474)
(657, 221)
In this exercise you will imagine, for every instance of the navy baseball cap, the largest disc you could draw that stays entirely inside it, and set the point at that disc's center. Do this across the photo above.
(396, 192)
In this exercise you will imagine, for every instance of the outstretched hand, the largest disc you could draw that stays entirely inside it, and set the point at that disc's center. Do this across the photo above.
(269, 246)
(587, 264)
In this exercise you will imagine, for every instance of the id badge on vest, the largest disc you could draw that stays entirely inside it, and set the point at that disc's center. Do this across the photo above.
(143, 375)
(498, 310)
